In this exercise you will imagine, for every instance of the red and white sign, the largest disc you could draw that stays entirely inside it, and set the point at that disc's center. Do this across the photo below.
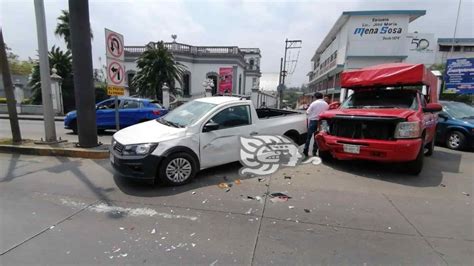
(114, 45)
(225, 76)
(115, 73)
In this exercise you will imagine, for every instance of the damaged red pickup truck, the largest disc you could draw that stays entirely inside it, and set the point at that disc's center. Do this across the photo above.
(389, 117)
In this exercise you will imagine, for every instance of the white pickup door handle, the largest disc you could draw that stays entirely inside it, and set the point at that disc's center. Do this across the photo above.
(253, 133)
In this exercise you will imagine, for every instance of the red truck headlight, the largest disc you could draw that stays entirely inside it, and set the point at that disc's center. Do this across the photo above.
(407, 130)
(323, 126)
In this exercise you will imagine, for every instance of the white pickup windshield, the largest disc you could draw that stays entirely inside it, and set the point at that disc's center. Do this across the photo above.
(186, 114)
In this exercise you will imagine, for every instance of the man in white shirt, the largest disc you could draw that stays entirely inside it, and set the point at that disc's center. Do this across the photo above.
(313, 112)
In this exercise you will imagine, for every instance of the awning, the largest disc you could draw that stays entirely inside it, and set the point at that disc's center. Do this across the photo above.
(388, 75)
(393, 74)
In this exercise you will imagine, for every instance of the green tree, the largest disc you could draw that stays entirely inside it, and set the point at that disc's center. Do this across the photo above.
(155, 67)
(62, 61)
(62, 28)
(18, 67)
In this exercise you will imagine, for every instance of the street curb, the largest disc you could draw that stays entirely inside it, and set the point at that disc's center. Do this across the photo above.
(55, 151)
(58, 119)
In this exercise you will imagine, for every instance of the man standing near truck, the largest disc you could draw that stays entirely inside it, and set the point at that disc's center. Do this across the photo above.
(313, 112)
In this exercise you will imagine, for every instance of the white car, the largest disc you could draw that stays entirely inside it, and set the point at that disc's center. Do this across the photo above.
(199, 134)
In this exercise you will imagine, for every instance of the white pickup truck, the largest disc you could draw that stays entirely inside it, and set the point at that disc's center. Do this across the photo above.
(199, 134)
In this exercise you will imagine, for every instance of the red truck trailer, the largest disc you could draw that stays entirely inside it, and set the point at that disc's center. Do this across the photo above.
(390, 116)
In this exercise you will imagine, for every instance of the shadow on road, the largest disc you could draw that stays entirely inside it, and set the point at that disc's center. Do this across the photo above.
(441, 161)
(11, 168)
(209, 177)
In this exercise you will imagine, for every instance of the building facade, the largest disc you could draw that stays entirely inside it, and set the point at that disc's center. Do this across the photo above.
(204, 62)
(364, 38)
(449, 48)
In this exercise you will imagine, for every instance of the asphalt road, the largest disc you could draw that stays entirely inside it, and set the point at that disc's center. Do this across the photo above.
(61, 211)
(31, 129)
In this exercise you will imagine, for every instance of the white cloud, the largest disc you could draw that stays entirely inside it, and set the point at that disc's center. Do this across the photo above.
(245, 23)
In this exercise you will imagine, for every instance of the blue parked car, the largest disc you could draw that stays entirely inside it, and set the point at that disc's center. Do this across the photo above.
(456, 125)
(131, 112)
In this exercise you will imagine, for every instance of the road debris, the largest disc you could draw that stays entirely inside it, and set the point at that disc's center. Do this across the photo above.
(204, 201)
(279, 197)
(442, 185)
(227, 190)
(261, 179)
(307, 210)
(193, 193)
(193, 244)
(192, 234)
(249, 211)
(153, 231)
(117, 250)
(223, 185)
(237, 182)
(121, 228)
(291, 207)
(213, 263)
(466, 194)
(287, 177)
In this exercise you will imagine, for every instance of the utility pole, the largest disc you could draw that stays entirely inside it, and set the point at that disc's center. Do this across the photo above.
(289, 44)
(48, 112)
(455, 30)
(7, 83)
(82, 68)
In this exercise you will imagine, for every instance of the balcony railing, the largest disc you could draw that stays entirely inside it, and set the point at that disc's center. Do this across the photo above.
(189, 49)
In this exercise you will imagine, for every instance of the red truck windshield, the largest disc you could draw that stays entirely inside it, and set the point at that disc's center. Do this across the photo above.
(382, 98)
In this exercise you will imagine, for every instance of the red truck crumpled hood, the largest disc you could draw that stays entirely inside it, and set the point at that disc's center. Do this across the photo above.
(401, 113)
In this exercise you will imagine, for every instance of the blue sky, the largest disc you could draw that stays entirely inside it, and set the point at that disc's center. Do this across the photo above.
(262, 24)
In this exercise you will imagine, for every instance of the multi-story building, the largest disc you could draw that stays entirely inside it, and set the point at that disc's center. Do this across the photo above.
(449, 48)
(204, 62)
(364, 38)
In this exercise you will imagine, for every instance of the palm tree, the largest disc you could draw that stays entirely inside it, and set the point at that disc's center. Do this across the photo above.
(62, 61)
(155, 67)
(62, 28)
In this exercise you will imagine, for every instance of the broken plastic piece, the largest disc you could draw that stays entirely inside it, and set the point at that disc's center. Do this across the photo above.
(279, 197)
(223, 185)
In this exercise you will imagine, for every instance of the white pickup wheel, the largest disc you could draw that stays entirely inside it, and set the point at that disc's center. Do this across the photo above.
(177, 169)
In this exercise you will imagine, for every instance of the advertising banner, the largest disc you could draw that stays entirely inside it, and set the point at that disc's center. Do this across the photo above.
(459, 76)
(377, 35)
(225, 80)
(421, 48)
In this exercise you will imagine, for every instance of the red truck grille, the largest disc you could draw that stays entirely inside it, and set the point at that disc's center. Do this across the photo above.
(363, 127)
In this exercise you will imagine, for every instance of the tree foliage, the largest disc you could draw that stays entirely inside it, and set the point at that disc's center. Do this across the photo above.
(17, 66)
(62, 28)
(62, 62)
(155, 67)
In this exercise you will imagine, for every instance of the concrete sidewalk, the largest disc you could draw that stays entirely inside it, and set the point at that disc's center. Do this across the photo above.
(31, 117)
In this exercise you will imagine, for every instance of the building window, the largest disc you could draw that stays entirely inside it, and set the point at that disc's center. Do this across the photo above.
(187, 84)
(131, 89)
(240, 83)
(457, 48)
(444, 48)
(468, 48)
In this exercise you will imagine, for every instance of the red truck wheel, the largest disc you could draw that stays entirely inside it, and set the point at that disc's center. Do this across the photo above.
(325, 156)
(415, 167)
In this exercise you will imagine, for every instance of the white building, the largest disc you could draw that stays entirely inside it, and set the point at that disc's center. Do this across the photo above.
(364, 38)
(457, 48)
(205, 62)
